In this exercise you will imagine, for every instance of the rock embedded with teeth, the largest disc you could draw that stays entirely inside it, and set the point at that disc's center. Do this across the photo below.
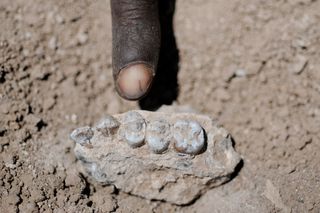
(173, 157)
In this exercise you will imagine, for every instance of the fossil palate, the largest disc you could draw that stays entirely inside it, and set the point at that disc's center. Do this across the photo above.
(168, 156)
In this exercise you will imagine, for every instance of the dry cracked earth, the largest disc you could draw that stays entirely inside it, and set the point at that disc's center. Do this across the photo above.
(252, 64)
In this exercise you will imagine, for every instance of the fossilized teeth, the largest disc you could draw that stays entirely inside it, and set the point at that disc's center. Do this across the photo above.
(134, 129)
(82, 135)
(108, 125)
(158, 136)
(189, 137)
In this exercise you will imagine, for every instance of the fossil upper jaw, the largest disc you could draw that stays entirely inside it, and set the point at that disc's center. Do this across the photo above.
(157, 155)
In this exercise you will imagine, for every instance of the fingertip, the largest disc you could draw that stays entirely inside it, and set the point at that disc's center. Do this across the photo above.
(134, 81)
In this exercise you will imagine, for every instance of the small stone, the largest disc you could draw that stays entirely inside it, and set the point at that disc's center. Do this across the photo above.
(53, 43)
(82, 37)
(59, 19)
(240, 73)
(74, 118)
(28, 35)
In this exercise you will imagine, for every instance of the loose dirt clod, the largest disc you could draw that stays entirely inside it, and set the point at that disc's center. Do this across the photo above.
(186, 154)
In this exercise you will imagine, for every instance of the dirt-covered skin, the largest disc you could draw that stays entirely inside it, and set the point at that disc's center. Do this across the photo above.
(254, 65)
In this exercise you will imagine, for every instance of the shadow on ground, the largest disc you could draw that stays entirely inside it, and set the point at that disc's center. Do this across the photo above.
(165, 87)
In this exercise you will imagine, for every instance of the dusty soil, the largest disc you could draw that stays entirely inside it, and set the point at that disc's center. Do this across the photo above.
(252, 64)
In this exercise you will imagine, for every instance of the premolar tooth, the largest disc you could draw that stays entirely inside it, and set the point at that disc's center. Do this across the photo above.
(82, 135)
(158, 136)
(189, 137)
(134, 129)
(108, 125)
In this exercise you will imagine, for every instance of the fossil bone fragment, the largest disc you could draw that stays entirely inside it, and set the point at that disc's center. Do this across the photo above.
(173, 157)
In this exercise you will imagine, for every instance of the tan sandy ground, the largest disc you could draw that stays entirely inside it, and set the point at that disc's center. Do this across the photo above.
(252, 64)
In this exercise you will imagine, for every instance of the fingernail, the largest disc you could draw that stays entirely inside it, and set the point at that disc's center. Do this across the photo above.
(134, 81)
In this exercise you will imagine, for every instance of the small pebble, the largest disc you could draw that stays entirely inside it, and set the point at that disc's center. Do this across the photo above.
(240, 73)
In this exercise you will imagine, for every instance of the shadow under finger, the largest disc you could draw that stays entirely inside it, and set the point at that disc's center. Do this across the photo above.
(165, 88)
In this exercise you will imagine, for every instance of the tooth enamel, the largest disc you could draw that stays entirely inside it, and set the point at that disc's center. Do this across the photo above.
(82, 135)
(158, 136)
(134, 129)
(189, 137)
(108, 125)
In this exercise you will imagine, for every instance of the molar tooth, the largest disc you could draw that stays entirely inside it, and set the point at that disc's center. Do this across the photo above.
(134, 129)
(82, 135)
(108, 125)
(158, 136)
(189, 137)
